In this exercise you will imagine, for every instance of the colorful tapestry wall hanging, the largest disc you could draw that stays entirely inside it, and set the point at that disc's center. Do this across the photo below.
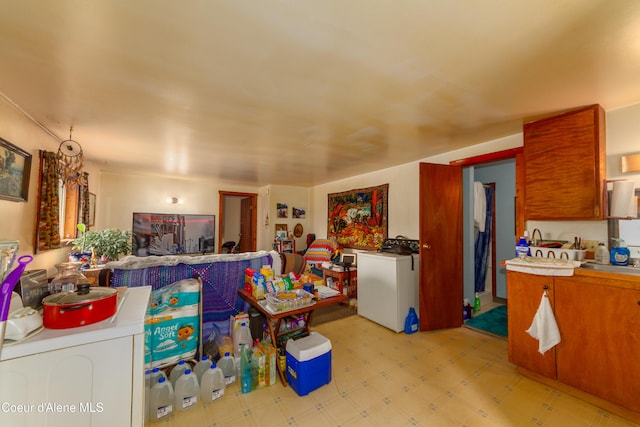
(358, 218)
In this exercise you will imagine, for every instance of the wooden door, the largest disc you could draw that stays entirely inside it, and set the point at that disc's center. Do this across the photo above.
(247, 236)
(441, 272)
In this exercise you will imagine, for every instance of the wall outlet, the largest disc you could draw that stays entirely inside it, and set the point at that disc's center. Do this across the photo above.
(590, 245)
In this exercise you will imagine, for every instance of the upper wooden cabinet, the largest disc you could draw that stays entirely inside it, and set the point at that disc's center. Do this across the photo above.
(564, 166)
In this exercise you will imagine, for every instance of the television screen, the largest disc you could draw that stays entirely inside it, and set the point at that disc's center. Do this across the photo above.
(173, 234)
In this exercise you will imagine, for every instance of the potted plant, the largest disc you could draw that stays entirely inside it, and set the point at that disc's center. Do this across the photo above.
(112, 242)
(107, 244)
(82, 246)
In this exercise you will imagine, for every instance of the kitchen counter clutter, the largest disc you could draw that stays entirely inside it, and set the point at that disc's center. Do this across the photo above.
(128, 321)
(598, 317)
(89, 375)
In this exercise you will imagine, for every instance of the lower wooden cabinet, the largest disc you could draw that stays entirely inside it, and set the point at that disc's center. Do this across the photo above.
(600, 326)
(524, 292)
(599, 323)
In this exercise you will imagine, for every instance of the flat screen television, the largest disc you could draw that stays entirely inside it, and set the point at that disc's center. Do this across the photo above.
(173, 234)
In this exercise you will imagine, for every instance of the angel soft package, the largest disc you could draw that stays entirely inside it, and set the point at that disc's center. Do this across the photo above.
(172, 323)
(183, 293)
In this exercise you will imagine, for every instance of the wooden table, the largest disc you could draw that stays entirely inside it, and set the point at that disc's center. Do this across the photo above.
(346, 282)
(274, 320)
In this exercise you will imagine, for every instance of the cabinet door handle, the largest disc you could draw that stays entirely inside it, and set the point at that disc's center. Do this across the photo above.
(426, 246)
(545, 287)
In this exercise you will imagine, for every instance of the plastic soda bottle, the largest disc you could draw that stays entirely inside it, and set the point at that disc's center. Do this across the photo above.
(161, 401)
(245, 369)
(228, 365)
(186, 391)
(212, 384)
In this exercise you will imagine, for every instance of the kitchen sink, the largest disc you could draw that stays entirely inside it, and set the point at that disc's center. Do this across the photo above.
(611, 268)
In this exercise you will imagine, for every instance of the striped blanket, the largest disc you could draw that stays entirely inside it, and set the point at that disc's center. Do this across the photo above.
(319, 251)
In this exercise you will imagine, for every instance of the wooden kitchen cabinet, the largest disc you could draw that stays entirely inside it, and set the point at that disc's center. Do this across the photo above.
(524, 292)
(564, 166)
(599, 321)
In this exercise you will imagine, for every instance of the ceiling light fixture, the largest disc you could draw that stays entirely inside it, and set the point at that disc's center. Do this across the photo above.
(71, 157)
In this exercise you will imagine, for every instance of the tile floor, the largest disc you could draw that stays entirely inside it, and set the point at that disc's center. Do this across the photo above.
(455, 377)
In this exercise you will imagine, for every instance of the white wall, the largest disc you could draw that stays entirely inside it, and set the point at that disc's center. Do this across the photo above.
(19, 218)
(403, 180)
(293, 197)
(122, 195)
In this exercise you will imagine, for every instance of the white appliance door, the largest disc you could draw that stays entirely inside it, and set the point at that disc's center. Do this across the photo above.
(387, 287)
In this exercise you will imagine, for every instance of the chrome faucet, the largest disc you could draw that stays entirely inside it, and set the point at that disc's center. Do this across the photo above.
(535, 242)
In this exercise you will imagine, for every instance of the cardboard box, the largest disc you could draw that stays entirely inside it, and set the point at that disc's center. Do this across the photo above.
(258, 368)
(271, 361)
(308, 363)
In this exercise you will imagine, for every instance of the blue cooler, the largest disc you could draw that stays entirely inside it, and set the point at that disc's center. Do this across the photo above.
(308, 363)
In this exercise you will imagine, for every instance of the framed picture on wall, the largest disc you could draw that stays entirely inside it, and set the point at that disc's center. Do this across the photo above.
(283, 210)
(15, 167)
(282, 231)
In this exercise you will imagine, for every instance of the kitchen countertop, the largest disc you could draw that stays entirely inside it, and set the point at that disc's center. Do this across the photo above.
(629, 281)
(128, 321)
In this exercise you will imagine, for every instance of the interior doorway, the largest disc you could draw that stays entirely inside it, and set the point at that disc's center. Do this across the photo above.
(446, 254)
(238, 222)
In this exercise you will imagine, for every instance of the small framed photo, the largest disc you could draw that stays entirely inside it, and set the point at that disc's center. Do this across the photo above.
(282, 231)
(282, 209)
(15, 168)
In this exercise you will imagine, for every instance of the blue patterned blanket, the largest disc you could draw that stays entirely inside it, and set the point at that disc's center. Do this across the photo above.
(221, 278)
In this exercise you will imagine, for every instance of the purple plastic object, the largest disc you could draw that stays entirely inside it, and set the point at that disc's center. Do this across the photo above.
(9, 283)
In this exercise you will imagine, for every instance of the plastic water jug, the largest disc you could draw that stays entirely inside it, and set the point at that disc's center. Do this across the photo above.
(241, 336)
(187, 391)
(177, 371)
(156, 374)
(161, 401)
(228, 365)
(411, 323)
(245, 369)
(201, 367)
(212, 384)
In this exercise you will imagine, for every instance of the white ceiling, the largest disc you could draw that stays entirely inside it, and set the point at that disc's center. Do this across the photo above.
(303, 92)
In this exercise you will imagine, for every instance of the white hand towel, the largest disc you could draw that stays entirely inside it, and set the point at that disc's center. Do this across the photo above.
(479, 205)
(544, 327)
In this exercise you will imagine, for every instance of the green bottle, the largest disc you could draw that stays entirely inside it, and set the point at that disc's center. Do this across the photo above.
(476, 303)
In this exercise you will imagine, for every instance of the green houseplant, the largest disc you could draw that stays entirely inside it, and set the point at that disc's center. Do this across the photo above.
(108, 243)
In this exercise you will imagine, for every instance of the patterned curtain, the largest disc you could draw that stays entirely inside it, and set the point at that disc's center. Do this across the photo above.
(48, 229)
(83, 214)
